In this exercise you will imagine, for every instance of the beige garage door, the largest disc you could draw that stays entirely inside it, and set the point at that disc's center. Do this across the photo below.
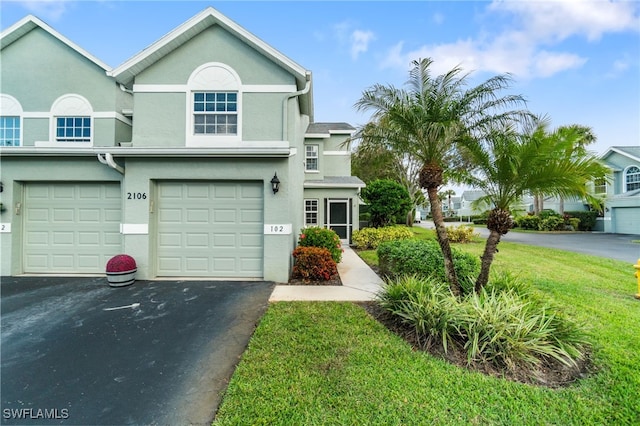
(210, 229)
(70, 227)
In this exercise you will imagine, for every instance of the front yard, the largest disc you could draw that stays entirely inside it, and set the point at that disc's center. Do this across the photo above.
(332, 363)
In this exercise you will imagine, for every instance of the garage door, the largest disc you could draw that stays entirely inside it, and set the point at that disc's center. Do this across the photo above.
(210, 229)
(71, 227)
(627, 220)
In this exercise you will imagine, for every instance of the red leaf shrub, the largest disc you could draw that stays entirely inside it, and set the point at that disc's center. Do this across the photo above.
(121, 263)
(313, 263)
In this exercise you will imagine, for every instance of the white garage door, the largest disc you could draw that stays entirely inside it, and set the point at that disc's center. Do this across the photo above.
(210, 229)
(70, 227)
(627, 220)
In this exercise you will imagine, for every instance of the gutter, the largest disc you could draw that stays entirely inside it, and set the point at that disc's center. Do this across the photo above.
(285, 102)
(107, 158)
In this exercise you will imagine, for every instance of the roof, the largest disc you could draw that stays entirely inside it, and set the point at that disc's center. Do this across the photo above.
(325, 129)
(126, 72)
(472, 195)
(335, 182)
(633, 152)
(29, 23)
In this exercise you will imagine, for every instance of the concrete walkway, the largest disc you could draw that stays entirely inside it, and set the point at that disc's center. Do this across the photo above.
(359, 284)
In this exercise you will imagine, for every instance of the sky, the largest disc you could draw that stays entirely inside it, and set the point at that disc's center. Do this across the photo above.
(578, 62)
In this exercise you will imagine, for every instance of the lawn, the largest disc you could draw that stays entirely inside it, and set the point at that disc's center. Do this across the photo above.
(331, 363)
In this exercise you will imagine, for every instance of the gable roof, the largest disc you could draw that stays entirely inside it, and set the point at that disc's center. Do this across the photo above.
(29, 23)
(632, 152)
(326, 129)
(472, 195)
(126, 72)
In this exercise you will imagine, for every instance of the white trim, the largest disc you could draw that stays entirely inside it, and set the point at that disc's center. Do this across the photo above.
(307, 157)
(270, 149)
(618, 151)
(624, 177)
(11, 107)
(316, 135)
(346, 153)
(183, 88)
(305, 211)
(312, 184)
(134, 228)
(70, 105)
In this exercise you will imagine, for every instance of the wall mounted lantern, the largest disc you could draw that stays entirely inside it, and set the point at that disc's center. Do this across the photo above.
(275, 183)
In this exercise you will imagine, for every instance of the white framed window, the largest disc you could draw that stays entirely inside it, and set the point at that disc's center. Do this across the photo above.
(632, 178)
(311, 158)
(73, 129)
(311, 212)
(214, 106)
(600, 186)
(215, 113)
(9, 131)
(10, 121)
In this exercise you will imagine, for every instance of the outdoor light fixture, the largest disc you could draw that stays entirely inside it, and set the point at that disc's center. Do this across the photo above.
(275, 183)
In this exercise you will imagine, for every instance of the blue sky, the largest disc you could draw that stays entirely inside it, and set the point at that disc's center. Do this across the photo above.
(576, 61)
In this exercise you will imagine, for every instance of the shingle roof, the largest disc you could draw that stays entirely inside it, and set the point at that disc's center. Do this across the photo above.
(335, 182)
(326, 128)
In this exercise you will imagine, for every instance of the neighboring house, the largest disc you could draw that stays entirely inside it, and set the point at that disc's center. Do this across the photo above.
(467, 207)
(173, 157)
(622, 203)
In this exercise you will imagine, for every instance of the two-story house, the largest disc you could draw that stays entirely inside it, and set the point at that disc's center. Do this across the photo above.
(199, 156)
(622, 192)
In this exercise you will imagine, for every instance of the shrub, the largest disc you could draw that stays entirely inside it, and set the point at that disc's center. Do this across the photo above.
(574, 223)
(316, 236)
(313, 263)
(424, 258)
(551, 223)
(461, 234)
(505, 324)
(387, 201)
(370, 238)
(528, 222)
(587, 219)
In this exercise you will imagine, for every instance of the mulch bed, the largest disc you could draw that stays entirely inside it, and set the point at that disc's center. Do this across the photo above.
(335, 280)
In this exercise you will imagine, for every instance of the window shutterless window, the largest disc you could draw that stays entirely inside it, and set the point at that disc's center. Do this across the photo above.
(9, 131)
(215, 113)
(632, 178)
(311, 157)
(73, 129)
(310, 212)
(600, 186)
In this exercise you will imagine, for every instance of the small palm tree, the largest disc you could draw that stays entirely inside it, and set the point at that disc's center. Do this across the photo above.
(509, 164)
(428, 120)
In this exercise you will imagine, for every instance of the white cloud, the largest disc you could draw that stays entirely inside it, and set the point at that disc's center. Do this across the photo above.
(525, 47)
(47, 9)
(437, 18)
(360, 42)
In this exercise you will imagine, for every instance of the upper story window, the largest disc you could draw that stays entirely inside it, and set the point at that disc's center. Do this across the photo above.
(9, 131)
(73, 129)
(632, 178)
(600, 186)
(311, 158)
(215, 113)
(10, 121)
(214, 110)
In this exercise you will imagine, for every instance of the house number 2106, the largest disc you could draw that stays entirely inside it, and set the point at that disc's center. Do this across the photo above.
(136, 195)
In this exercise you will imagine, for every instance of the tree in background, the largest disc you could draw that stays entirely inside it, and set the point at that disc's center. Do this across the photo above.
(387, 201)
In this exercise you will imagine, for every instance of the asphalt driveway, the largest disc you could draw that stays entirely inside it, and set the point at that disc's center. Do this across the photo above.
(156, 352)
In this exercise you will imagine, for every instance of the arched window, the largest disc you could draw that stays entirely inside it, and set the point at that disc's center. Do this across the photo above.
(632, 178)
(10, 121)
(72, 120)
(214, 109)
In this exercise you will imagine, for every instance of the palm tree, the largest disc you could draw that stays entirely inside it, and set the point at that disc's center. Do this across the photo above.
(447, 194)
(509, 164)
(428, 119)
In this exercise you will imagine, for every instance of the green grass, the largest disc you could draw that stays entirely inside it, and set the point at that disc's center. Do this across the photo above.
(330, 363)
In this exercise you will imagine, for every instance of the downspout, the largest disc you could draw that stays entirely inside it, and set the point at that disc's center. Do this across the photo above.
(107, 159)
(285, 103)
(124, 89)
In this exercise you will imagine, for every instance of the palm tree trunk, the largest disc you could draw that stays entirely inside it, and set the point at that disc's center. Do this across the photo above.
(486, 260)
(443, 240)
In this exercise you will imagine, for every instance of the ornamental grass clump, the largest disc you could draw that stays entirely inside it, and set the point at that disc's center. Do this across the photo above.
(506, 325)
(316, 236)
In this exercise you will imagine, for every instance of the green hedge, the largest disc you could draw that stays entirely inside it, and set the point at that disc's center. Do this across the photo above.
(371, 238)
(587, 219)
(424, 258)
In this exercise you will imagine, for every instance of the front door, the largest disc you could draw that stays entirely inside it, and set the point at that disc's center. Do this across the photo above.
(338, 214)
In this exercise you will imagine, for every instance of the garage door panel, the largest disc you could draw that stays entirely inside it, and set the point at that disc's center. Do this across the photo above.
(213, 227)
(627, 220)
(71, 227)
